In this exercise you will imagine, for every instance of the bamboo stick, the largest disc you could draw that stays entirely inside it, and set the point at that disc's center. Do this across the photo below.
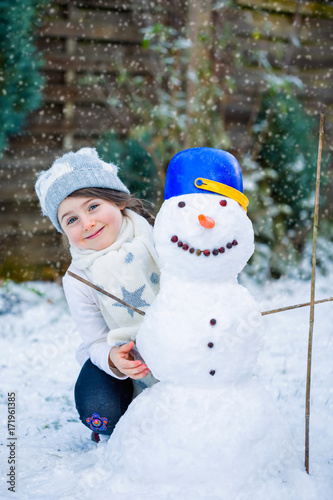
(288, 308)
(312, 299)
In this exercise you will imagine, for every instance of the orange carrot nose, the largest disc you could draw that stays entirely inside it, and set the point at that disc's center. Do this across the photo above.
(207, 222)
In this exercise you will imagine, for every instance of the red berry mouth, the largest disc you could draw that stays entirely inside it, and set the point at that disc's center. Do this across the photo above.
(206, 253)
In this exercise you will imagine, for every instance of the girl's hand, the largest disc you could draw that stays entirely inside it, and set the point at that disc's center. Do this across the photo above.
(124, 362)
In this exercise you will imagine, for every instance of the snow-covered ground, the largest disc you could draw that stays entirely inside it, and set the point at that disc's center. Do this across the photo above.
(55, 458)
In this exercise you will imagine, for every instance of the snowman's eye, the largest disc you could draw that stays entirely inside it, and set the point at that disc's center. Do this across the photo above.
(223, 203)
(181, 204)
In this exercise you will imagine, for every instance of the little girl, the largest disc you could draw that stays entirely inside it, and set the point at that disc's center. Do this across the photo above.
(110, 238)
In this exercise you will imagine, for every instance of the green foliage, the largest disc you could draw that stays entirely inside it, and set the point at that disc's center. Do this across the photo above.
(20, 79)
(187, 97)
(281, 180)
(137, 169)
(289, 149)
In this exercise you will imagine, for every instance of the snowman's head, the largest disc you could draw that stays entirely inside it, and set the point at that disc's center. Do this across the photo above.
(203, 236)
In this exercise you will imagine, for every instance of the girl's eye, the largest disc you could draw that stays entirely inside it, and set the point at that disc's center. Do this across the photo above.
(71, 220)
(181, 204)
(92, 207)
(223, 203)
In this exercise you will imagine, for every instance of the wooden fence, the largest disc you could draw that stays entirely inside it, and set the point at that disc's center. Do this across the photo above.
(83, 43)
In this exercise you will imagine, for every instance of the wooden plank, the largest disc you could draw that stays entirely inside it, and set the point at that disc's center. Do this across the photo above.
(304, 56)
(319, 94)
(58, 129)
(29, 162)
(318, 76)
(46, 45)
(48, 112)
(306, 8)
(120, 5)
(32, 256)
(83, 15)
(251, 78)
(59, 28)
(53, 77)
(14, 219)
(123, 55)
(99, 63)
(35, 146)
(86, 121)
(316, 57)
(135, 7)
(238, 109)
(19, 188)
(276, 26)
(74, 93)
(26, 145)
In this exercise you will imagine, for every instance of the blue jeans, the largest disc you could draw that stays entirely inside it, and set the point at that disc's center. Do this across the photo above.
(101, 399)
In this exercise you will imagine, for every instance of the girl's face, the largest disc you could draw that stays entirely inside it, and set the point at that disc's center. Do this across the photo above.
(90, 223)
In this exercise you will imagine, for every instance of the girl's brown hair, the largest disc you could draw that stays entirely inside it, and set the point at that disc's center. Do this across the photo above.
(118, 198)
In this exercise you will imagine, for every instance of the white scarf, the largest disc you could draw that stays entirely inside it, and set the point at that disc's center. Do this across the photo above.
(128, 269)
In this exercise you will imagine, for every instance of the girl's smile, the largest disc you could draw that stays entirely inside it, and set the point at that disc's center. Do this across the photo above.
(95, 234)
(90, 223)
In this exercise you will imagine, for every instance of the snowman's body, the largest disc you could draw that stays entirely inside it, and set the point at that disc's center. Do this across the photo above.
(207, 425)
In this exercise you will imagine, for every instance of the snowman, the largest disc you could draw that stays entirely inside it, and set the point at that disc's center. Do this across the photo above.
(207, 429)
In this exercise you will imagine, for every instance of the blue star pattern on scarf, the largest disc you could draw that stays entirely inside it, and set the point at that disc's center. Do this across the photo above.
(129, 258)
(154, 278)
(133, 298)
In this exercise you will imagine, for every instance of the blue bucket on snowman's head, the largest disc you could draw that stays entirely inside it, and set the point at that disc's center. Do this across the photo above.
(197, 170)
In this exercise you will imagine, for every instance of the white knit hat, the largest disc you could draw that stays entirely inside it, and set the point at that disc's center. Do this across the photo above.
(71, 172)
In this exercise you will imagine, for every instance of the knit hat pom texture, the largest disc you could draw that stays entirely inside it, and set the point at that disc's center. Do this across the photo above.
(71, 172)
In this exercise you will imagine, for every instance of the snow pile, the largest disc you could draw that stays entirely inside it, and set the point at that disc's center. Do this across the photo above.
(55, 456)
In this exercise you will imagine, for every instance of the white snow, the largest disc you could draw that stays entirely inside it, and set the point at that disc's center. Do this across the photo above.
(55, 457)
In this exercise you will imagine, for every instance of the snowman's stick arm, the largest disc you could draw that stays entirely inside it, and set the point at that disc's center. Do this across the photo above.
(108, 294)
(139, 311)
(287, 308)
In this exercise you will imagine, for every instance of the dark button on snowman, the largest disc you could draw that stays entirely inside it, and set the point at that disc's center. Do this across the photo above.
(207, 427)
